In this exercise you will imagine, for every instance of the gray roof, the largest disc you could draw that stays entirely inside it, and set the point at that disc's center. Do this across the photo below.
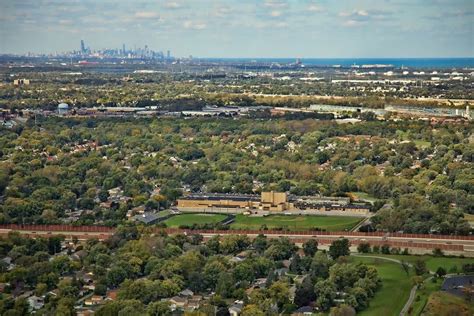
(457, 284)
(146, 218)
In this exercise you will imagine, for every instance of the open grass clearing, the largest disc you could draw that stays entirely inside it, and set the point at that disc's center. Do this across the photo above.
(362, 196)
(396, 285)
(433, 263)
(190, 219)
(296, 222)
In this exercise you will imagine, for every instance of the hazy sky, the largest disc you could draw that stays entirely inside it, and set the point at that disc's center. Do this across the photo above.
(244, 28)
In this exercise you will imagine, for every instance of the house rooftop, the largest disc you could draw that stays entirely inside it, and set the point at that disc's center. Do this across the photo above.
(146, 218)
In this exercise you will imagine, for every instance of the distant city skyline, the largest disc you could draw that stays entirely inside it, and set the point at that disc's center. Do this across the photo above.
(245, 28)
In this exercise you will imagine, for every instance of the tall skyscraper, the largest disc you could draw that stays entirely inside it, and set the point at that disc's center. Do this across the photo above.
(123, 49)
(168, 54)
(83, 47)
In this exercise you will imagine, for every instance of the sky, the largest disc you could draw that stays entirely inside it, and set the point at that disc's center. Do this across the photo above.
(243, 28)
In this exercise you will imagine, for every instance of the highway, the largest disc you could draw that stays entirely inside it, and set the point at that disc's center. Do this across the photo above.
(417, 243)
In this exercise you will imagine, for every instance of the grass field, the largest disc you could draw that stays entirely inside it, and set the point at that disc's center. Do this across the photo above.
(396, 285)
(190, 219)
(433, 263)
(418, 142)
(421, 143)
(395, 290)
(364, 197)
(296, 222)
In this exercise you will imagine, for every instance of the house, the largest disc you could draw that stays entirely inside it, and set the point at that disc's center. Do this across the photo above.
(94, 300)
(192, 305)
(115, 194)
(54, 292)
(177, 302)
(35, 302)
(459, 285)
(257, 284)
(236, 308)
(111, 295)
(146, 218)
(87, 277)
(79, 255)
(303, 311)
(236, 259)
(8, 263)
(186, 293)
(84, 312)
(281, 272)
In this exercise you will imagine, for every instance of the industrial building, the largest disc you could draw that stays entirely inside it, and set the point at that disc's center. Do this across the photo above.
(21, 82)
(63, 108)
(271, 202)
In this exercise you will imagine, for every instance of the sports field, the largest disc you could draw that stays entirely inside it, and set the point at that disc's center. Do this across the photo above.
(190, 219)
(296, 222)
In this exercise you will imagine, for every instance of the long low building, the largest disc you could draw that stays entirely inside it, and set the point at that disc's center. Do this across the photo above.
(273, 202)
(269, 201)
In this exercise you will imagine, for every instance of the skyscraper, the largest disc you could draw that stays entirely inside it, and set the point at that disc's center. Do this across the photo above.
(168, 54)
(83, 47)
(123, 49)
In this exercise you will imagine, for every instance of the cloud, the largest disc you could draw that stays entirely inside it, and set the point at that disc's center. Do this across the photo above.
(315, 8)
(355, 14)
(353, 23)
(193, 25)
(222, 12)
(275, 14)
(172, 5)
(275, 4)
(65, 22)
(361, 17)
(146, 15)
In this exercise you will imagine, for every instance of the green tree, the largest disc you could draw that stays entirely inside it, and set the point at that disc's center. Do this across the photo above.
(420, 267)
(252, 310)
(339, 248)
(363, 248)
(325, 293)
(310, 247)
(440, 272)
(159, 309)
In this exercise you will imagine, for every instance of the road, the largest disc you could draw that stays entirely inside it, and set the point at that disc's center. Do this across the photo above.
(420, 243)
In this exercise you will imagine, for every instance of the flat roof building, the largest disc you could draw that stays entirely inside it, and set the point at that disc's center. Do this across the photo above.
(269, 201)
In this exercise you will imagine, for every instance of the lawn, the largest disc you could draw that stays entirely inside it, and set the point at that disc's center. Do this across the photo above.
(190, 219)
(469, 218)
(433, 263)
(421, 143)
(396, 285)
(418, 142)
(393, 275)
(364, 196)
(296, 222)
